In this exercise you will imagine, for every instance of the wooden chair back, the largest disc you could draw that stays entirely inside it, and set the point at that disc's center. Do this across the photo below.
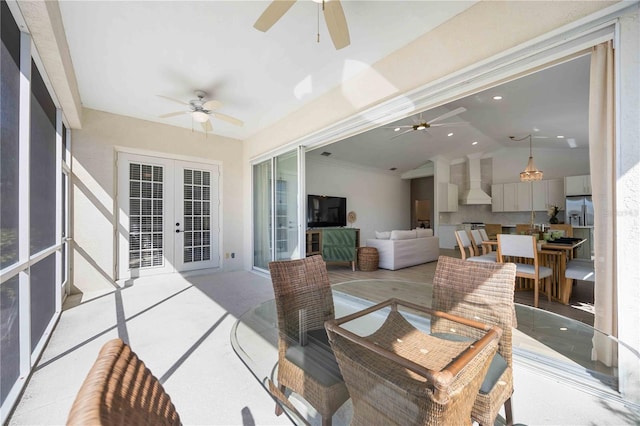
(476, 241)
(515, 248)
(493, 229)
(118, 390)
(464, 244)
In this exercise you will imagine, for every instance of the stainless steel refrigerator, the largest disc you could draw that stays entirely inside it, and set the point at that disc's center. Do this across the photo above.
(579, 211)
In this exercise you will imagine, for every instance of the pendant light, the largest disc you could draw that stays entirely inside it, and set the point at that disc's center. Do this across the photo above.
(530, 173)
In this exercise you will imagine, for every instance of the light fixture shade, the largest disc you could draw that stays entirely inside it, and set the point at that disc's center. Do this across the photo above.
(530, 173)
(200, 116)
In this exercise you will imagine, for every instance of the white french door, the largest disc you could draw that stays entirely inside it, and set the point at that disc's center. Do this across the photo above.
(168, 216)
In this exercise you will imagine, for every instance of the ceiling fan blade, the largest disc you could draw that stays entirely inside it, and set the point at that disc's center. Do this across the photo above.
(206, 126)
(173, 114)
(452, 124)
(173, 100)
(211, 105)
(449, 114)
(228, 119)
(272, 13)
(400, 134)
(336, 23)
(399, 127)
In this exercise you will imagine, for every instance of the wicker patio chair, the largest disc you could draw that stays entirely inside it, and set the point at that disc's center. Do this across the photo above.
(400, 375)
(484, 292)
(120, 390)
(306, 363)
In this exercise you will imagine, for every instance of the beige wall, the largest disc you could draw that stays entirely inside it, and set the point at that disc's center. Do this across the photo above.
(94, 182)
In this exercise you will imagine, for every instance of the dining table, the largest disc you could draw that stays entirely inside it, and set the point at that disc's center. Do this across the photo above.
(556, 380)
(554, 254)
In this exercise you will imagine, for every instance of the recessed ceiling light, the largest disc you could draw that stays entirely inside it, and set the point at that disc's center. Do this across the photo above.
(397, 129)
(560, 137)
(474, 143)
(535, 129)
(497, 98)
(450, 134)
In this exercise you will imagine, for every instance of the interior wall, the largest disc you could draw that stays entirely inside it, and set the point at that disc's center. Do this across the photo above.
(93, 195)
(381, 200)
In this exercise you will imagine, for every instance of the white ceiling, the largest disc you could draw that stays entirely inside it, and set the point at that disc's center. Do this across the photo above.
(550, 103)
(126, 53)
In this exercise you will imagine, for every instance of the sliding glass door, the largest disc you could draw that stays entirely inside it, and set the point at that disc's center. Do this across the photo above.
(276, 209)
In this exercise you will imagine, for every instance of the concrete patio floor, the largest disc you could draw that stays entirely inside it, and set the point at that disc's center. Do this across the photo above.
(180, 327)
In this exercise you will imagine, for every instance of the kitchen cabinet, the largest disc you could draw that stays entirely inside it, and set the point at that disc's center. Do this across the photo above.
(555, 192)
(539, 198)
(447, 197)
(577, 185)
(517, 196)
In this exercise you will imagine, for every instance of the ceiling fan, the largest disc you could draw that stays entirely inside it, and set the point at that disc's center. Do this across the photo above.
(333, 15)
(202, 110)
(422, 124)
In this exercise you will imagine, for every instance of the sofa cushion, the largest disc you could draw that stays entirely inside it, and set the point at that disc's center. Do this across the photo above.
(403, 235)
(423, 232)
(383, 235)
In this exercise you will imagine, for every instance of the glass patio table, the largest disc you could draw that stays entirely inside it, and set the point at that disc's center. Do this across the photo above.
(555, 379)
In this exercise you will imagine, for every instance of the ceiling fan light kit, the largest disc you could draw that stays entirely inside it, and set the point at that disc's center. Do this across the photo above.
(202, 111)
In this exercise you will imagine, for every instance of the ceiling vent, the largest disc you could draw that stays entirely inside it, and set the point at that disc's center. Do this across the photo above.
(474, 194)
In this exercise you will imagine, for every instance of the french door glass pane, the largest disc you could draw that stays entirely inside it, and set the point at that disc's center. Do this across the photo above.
(9, 135)
(286, 206)
(42, 165)
(43, 296)
(262, 214)
(146, 220)
(197, 215)
(9, 336)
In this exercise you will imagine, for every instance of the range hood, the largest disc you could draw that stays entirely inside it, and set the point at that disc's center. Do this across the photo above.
(473, 194)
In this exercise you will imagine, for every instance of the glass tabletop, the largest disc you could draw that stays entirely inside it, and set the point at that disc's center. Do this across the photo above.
(556, 379)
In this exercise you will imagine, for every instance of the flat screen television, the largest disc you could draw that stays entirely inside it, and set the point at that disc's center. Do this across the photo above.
(325, 211)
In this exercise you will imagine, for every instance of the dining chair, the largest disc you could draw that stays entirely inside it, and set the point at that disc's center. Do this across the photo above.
(119, 389)
(479, 248)
(516, 248)
(492, 230)
(484, 292)
(465, 245)
(400, 375)
(306, 363)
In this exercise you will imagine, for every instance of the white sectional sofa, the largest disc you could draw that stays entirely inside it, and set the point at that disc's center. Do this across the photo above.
(399, 249)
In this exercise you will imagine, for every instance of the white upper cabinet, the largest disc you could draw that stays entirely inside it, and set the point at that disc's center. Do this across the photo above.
(540, 194)
(555, 192)
(497, 197)
(577, 185)
(517, 196)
